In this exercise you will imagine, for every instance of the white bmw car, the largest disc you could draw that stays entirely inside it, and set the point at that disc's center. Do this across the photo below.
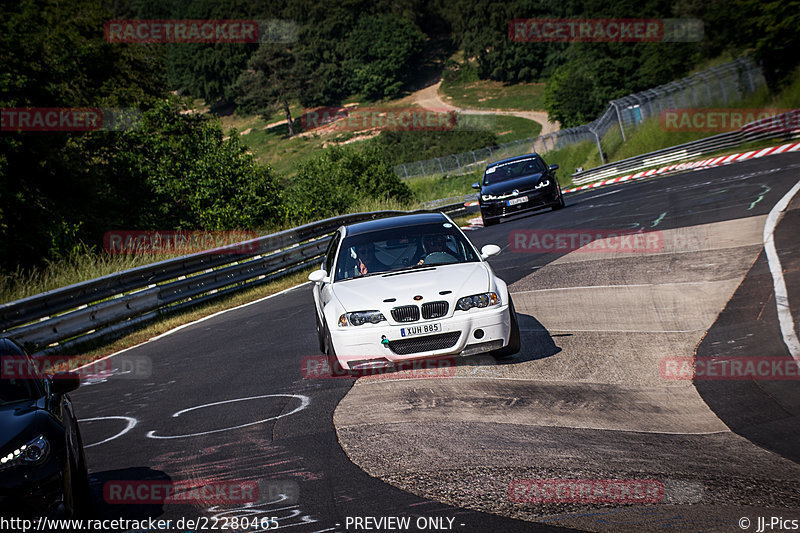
(409, 287)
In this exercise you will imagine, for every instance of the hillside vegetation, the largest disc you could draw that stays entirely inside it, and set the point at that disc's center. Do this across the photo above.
(185, 166)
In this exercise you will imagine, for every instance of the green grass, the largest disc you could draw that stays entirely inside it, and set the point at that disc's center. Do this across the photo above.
(568, 159)
(83, 265)
(487, 94)
(275, 148)
(241, 122)
(510, 128)
(651, 136)
(507, 128)
(435, 187)
(88, 263)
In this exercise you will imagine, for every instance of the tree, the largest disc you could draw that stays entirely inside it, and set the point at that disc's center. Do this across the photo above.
(205, 70)
(571, 97)
(381, 49)
(337, 178)
(407, 146)
(175, 170)
(273, 77)
(54, 55)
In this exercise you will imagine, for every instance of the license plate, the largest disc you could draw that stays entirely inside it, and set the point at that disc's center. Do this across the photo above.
(520, 200)
(422, 329)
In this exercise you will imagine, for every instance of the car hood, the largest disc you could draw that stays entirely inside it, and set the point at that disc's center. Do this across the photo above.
(524, 183)
(364, 294)
(19, 422)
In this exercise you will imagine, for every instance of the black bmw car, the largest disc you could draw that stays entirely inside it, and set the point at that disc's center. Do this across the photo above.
(518, 184)
(42, 465)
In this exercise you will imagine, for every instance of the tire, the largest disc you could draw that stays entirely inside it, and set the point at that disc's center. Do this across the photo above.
(513, 345)
(80, 492)
(69, 496)
(560, 202)
(336, 369)
(488, 221)
(320, 334)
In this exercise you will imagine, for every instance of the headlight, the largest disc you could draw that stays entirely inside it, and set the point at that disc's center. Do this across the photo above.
(359, 318)
(487, 197)
(541, 184)
(31, 453)
(478, 300)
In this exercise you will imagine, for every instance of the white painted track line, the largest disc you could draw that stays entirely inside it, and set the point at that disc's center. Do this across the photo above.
(781, 294)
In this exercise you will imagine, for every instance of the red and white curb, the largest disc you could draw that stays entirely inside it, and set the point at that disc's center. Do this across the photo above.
(705, 163)
(476, 223)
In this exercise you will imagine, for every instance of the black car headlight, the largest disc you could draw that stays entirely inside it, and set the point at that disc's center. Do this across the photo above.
(488, 197)
(359, 318)
(543, 183)
(30, 453)
(478, 300)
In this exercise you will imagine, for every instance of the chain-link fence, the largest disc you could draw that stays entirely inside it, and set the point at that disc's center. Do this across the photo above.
(719, 85)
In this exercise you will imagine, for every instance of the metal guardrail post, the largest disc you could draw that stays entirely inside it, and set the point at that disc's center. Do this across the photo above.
(619, 119)
(599, 147)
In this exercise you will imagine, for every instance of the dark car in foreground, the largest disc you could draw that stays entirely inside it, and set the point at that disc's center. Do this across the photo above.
(517, 184)
(42, 465)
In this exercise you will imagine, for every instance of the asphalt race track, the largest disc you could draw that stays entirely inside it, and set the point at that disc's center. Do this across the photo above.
(224, 399)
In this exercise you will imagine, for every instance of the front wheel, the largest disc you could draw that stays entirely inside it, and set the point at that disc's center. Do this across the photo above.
(513, 345)
(320, 334)
(82, 494)
(488, 221)
(335, 368)
(560, 202)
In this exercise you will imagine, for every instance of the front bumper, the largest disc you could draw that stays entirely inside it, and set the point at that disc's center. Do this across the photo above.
(536, 200)
(475, 331)
(32, 491)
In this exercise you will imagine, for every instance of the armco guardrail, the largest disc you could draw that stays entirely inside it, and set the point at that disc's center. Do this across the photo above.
(58, 319)
(754, 131)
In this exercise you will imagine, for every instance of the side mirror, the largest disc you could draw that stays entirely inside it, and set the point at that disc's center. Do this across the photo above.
(476, 185)
(64, 382)
(318, 276)
(489, 250)
(553, 167)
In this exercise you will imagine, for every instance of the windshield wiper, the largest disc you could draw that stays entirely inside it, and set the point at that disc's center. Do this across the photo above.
(368, 274)
(408, 269)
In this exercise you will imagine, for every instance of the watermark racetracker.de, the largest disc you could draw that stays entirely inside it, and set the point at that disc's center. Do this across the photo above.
(380, 118)
(595, 30)
(711, 120)
(200, 31)
(170, 242)
(565, 490)
(127, 366)
(730, 368)
(125, 492)
(318, 367)
(67, 119)
(585, 241)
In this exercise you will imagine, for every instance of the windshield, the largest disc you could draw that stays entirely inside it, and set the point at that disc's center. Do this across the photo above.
(514, 169)
(14, 388)
(402, 248)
